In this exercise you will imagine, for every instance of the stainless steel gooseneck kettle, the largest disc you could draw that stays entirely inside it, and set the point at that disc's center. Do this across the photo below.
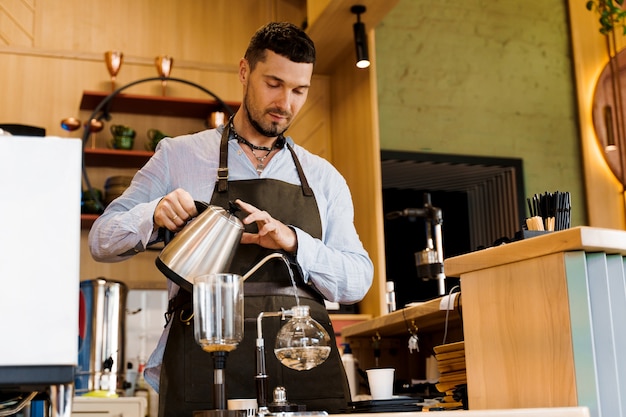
(206, 245)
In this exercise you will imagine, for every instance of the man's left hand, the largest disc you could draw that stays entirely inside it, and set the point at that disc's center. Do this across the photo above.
(272, 234)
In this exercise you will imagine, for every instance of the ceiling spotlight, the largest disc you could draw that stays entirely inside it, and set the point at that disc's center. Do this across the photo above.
(360, 38)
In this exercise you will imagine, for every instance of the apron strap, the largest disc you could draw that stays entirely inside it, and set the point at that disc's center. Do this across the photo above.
(222, 170)
(306, 190)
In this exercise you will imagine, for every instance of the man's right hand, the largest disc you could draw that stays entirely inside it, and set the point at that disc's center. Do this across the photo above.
(174, 210)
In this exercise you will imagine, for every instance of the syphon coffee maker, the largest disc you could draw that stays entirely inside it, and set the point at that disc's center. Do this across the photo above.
(429, 261)
(196, 259)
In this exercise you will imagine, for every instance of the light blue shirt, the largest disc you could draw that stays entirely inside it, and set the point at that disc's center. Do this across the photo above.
(337, 264)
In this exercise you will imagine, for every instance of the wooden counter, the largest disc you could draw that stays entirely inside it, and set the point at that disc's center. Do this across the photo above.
(526, 412)
(433, 321)
(588, 239)
(543, 321)
(426, 316)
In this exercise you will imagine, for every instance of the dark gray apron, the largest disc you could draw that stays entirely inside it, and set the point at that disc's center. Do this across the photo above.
(186, 381)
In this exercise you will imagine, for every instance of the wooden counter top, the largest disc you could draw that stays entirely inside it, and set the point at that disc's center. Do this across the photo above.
(517, 412)
(425, 316)
(588, 239)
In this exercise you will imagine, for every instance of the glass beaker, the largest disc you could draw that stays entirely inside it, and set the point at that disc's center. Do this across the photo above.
(218, 311)
(218, 323)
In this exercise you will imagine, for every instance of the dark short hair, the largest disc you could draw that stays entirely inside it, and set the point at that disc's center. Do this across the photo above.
(285, 39)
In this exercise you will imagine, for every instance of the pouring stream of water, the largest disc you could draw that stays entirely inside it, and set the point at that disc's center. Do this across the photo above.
(284, 258)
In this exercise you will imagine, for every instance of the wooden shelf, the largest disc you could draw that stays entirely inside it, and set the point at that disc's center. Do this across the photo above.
(349, 317)
(114, 158)
(86, 220)
(155, 105)
(143, 105)
(426, 316)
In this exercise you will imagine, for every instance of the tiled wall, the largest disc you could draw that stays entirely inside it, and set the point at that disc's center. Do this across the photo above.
(144, 324)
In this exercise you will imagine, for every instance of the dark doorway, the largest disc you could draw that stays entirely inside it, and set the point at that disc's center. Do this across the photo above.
(481, 200)
(405, 236)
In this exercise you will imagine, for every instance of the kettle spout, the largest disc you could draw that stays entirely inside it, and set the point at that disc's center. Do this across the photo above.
(264, 260)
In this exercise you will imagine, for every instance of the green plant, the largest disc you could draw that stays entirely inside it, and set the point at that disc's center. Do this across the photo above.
(611, 14)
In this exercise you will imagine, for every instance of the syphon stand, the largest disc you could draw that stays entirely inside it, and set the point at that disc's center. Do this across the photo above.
(219, 390)
(280, 406)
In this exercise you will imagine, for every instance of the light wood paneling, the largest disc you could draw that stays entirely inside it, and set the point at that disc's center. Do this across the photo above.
(605, 195)
(515, 359)
(184, 29)
(312, 127)
(17, 20)
(356, 154)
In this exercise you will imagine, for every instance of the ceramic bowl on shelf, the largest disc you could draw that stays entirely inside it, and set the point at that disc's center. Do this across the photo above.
(123, 137)
(154, 136)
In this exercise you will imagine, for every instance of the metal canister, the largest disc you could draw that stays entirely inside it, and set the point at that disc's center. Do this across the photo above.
(102, 313)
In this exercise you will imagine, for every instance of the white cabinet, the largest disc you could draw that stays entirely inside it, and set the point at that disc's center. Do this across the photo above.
(109, 407)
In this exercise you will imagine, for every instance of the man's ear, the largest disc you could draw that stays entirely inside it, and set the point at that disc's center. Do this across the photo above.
(244, 71)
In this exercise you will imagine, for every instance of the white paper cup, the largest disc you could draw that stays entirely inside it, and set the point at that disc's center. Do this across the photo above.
(249, 405)
(381, 383)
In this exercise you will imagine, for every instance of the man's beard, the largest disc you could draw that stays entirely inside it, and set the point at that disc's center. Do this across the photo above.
(270, 133)
(273, 130)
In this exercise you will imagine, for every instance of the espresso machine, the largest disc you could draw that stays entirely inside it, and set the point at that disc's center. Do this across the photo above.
(39, 272)
(429, 261)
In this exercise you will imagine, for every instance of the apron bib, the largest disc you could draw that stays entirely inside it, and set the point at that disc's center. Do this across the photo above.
(187, 372)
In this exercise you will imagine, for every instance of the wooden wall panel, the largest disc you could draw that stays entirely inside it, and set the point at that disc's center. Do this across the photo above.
(186, 29)
(312, 127)
(605, 195)
(506, 347)
(43, 81)
(17, 20)
(356, 154)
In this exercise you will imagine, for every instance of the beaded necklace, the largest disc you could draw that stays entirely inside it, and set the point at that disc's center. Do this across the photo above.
(280, 142)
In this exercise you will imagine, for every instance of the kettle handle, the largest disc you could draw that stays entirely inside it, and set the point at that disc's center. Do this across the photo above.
(233, 207)
(168, 235)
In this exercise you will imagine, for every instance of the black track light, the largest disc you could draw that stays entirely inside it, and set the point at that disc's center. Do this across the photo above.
(360, 38)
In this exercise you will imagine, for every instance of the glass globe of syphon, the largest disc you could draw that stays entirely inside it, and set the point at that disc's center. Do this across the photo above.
(302, 343)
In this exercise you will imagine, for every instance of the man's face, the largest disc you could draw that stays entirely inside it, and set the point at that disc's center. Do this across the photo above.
(274, 92)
